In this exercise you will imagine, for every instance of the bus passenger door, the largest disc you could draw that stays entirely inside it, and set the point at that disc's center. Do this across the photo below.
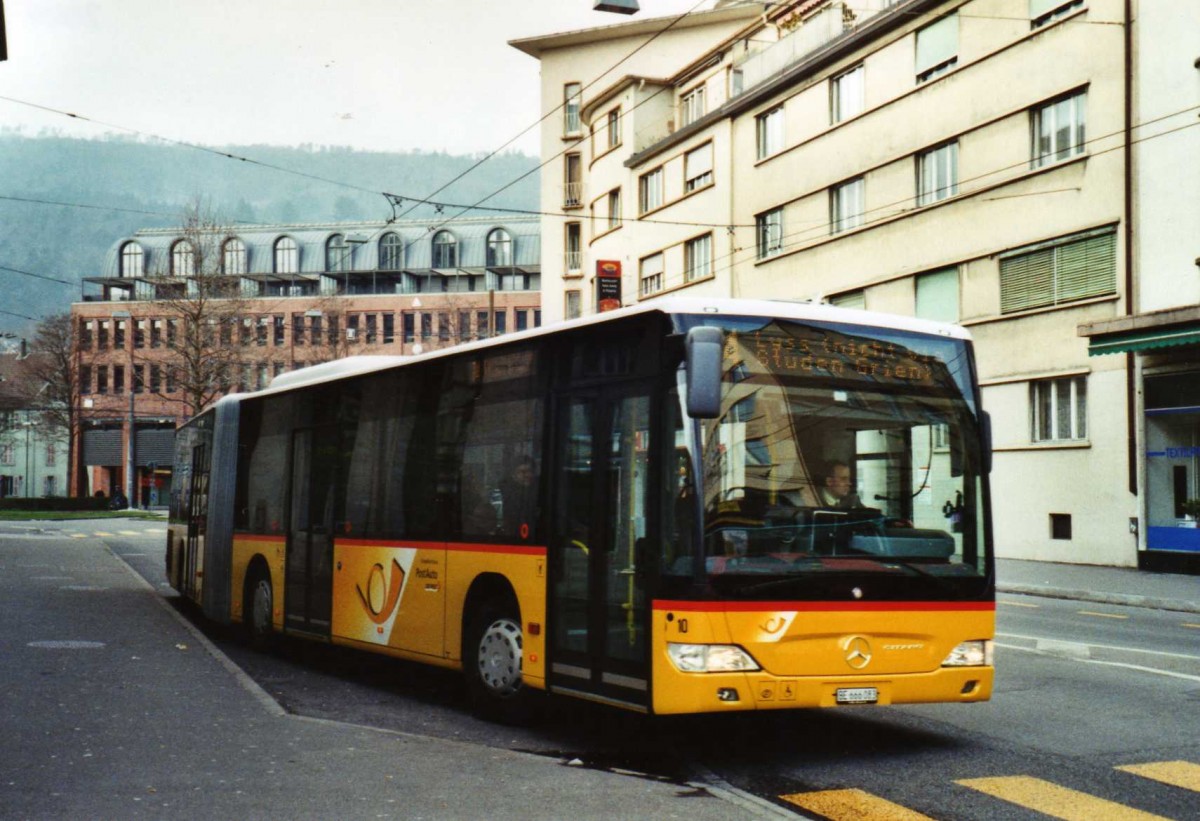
(601, 503)
(309, 570)
(197, 521)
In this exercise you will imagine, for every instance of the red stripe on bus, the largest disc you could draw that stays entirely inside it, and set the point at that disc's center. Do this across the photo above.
(458, 547)
(821, 606)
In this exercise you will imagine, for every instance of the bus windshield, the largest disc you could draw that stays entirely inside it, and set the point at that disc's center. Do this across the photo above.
(842, 451)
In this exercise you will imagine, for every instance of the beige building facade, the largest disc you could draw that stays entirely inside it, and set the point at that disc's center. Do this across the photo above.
(959, 160)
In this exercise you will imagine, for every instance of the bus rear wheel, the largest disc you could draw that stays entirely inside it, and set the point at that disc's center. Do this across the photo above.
(257, 610)
(493, 659)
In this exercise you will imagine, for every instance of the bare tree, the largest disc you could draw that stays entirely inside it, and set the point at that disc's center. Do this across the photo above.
(205, 312)
(49, 380)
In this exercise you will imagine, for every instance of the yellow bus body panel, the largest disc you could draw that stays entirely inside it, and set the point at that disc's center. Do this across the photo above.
(245, 548)
(808, 653)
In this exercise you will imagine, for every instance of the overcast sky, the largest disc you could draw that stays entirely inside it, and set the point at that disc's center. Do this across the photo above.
(370, 74)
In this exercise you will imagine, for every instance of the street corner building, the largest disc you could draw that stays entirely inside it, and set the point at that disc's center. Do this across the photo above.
(1024, 168)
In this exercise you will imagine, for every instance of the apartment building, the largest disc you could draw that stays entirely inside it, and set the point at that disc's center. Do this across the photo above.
(33, 452)
(960, 160)
(179, 317)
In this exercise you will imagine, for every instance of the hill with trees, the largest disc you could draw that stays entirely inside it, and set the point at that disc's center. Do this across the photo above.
(64, 201)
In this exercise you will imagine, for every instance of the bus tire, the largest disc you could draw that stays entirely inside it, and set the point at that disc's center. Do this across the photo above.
(259, 602)
(492, 658)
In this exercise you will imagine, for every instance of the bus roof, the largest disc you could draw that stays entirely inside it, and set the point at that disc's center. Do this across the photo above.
(815, 311)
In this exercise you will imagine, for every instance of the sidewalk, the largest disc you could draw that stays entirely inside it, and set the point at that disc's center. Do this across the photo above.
(116, 708)
(1104, 585)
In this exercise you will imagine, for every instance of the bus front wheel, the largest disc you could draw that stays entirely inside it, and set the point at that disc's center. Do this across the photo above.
(257, 614)
(493, 658)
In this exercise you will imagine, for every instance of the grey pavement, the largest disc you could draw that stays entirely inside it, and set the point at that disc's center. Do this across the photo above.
(1103, 585)
(114, 706)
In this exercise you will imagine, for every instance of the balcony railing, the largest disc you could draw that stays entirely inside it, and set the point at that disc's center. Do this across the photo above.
(572, 194)
(573, 262)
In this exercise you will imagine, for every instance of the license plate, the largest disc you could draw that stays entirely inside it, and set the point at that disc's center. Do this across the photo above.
(857, 695)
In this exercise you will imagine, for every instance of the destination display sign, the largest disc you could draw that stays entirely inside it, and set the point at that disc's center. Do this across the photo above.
(794, 348)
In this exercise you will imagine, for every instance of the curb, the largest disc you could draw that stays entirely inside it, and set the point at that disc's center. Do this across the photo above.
(1120, 599)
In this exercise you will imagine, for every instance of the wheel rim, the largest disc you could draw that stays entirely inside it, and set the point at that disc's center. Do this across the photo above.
(500, 657)
(260, 613)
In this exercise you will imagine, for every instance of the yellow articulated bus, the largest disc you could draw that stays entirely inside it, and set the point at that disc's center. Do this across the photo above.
(686, 506)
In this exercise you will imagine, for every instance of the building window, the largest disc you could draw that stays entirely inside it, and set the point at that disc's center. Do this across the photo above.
(85, 379)
(937, 48)
(572, 181)
(499, 249)
(102, 335)
(409, 327)
(937, 173)
(847, 96)
(737, 82)
(139, 333)
(389, 328)
(287, 256)
(233, 257)
(522, 319)
(1042, 12)
(1060, 526)
(614, 208)
(337, 254)
(85, 334)
(51, 455)
(573, 244)
(692, 106)
(1070, 269)
(697, 258)
(846, 205)
(391, 252)
(101, 379)
(936, 295)
(277, 326)
(118, 379)
(650, 191)
(445, 250)
(769, 130)
(651, 274)
(698, 167)
(1059, 409)
(156, 333)
(572, 102)
(1058, 129)
(132, 259)
(155, 378)
(614, 128)
(7, 456)
(572, 305)
(171, 377)
(769, 233)
(850, 299)
(183, 259)
(119, 334)
(501, 320)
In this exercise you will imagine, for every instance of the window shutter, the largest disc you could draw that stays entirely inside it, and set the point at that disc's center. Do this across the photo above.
(1026, 281)
(699, 161)
(937, 43)
(1086, 268)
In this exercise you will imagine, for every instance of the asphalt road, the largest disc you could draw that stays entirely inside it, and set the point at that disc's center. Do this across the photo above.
(1082, 690)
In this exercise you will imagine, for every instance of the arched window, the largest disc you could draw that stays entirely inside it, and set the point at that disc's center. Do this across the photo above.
(183, 259)
(337, 253)
(131, 260)
(233, 257)
(391, 253)
(445, 250)
(499, 249)
(287, 256)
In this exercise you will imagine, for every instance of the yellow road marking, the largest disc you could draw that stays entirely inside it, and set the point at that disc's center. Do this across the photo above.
(1101, 615)
(852, 805)
(1055, 801)
(102, 533)
(1193, 626)
(1183, 774)
(79, 536)
(1007, 603)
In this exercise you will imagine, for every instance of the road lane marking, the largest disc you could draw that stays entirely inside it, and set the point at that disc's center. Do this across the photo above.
(103, 533)
(1007, 603)
(78, 535)
(1054, 800)
(852, 805)
(1183, 774)
(1100, 615)
(130, 532)
(1193, 626)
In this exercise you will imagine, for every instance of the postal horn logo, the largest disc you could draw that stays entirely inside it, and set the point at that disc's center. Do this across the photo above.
(382, 595)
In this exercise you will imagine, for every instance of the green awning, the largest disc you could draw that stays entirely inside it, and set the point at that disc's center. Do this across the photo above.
(1143, 340)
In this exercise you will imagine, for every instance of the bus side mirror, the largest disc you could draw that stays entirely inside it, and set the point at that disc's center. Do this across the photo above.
(704, 349)
(985, 434)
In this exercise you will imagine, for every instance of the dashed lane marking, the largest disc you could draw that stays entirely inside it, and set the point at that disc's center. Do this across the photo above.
(1183, 774)
(1054, 800)
(1008, 603)
(78, 535)
(852, 805)
(103, 533)
(1100, 615)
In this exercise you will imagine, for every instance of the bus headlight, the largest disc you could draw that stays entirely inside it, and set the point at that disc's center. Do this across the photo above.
(970, 654)
(710, 658)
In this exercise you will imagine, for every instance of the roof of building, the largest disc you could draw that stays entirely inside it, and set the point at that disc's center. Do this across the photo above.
(364, 238)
